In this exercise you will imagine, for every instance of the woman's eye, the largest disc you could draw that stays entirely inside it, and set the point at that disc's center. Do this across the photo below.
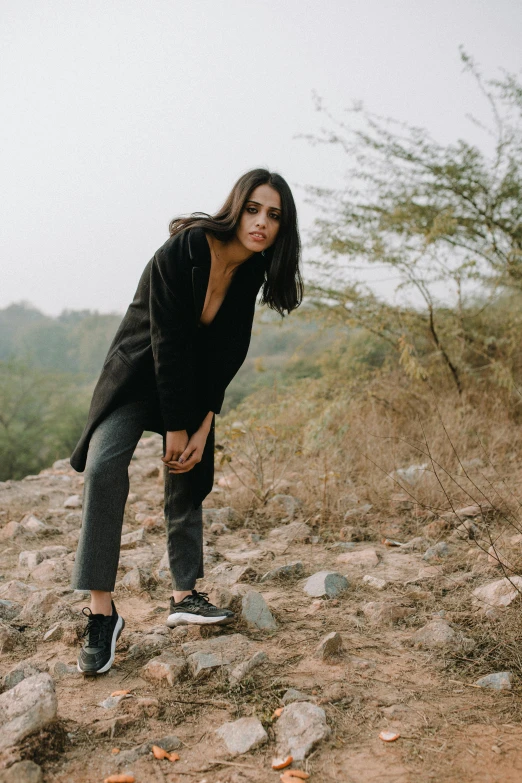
(251, 209)
(275, 216)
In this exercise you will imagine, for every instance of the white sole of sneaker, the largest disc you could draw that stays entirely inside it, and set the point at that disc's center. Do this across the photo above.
(186, 618)
(118, 628)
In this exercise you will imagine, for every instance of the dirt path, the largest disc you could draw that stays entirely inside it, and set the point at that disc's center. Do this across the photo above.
(381, 679)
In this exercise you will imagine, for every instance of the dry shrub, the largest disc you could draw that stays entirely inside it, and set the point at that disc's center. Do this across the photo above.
(341, 446)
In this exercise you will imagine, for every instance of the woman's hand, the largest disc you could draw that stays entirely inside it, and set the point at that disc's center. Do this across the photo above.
(175, 445)
(191, 455)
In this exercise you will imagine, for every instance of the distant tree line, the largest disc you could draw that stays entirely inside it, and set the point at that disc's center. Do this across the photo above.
(49, 365)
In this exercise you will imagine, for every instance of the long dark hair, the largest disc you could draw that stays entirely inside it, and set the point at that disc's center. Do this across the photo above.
(283, 286)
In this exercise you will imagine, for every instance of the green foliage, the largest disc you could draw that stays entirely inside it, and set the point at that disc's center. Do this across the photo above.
(446, 220)
(41, 418)
(76, 341)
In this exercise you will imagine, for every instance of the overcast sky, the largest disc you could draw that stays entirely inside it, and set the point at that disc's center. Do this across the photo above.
(118, 115)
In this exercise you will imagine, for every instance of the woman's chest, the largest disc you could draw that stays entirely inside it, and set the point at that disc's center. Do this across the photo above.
(217, 290)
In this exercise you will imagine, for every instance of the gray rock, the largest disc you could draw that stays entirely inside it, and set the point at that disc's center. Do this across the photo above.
(242, 735)
(330, 646)
(256, 613)
(436, 551)
(295, 531)
(228, 575)
(299, 729)
(498, 681)
(417, 544)
(211, 556)
(38, 606)
(226, 515)
(130, 540)
(62, 669)
(28, 707)
(467, 530)
(55, 550)
(165, 669)
(501, 592)
(413, 473)
(35, 527)
(22, 772)
(220, 651)
(439, 635)
(30, 559)
(111, 701)
(16, 591)
(54, 633)
(9, 609)
(378, 612)
(143, 557)
(358, 511)
(329, 583)
(33, 524)
(22, 671)
(74, 501)
(203, 663)
(375, 582)
(168, 743)
(283, 506)
(366, 558)
(11, 530)
(137, 579)
(225, 598)
(240, 671)
(52, 571)
(9, 637)
(287, 571)
(473, 510)
(292, 694)
(147, 645)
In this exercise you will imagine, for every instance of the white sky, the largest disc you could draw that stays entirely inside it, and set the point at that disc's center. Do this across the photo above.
(118, 115)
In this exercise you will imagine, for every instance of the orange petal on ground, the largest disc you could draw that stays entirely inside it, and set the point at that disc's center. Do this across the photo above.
(120, 693)
(174, 757)
(114, 751)
(159, 753)
(282, 763)
(296, 774)
(120, 779)
(389, 736)
(277, 713)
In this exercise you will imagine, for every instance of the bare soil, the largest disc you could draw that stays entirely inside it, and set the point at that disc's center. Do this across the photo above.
(450, 730)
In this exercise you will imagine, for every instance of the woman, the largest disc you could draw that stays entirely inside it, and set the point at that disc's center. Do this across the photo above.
(183, 338)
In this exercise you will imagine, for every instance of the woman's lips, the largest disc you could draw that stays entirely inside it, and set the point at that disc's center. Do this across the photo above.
(258, 237)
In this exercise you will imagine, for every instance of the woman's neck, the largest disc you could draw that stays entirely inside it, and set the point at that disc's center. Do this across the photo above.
(230, 254)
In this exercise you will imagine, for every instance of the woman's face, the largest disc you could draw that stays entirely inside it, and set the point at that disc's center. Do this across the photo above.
(260, 220)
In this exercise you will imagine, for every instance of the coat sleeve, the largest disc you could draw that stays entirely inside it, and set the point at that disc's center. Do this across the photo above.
(171, 316)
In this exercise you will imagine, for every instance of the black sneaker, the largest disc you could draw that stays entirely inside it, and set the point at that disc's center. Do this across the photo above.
(102, 633)
(197, 609)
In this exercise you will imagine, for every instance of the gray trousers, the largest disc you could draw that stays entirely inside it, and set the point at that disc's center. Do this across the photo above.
(105, 493)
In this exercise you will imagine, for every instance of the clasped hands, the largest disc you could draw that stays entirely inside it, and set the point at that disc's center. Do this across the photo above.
(182, 452)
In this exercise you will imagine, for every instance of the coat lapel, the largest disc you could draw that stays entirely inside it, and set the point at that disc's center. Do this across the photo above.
(199, 289)
(199, 253)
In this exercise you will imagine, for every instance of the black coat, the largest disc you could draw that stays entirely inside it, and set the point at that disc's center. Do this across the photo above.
(162, 353)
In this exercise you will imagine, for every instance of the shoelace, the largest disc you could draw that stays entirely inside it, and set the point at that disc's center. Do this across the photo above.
(97, 630)
(200, 598)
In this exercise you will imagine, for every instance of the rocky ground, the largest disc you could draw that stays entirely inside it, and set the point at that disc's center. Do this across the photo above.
(365, 652)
